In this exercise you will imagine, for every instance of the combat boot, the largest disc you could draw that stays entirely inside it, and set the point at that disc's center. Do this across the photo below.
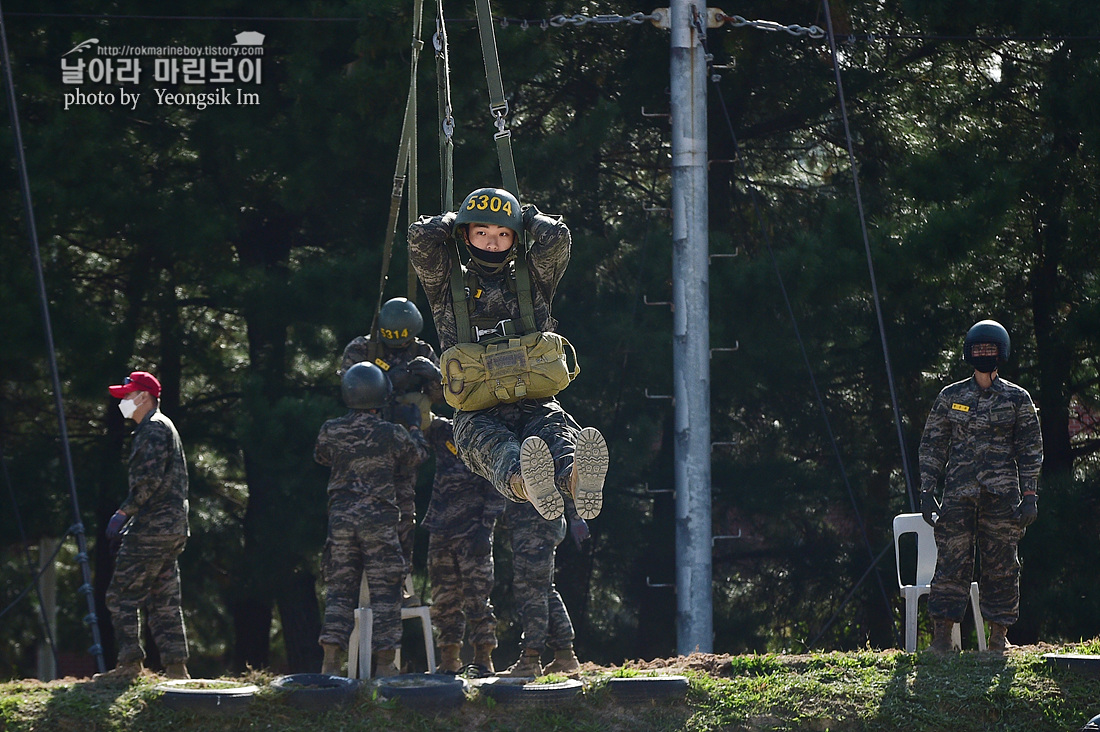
(450, 659)
(384, 663)
(528, 665)
(176, 670)
(124, 671)
(331, 662)
(941, 636)
(483, 660)
(565, 663)
(590, 461)
(998, 639)
(536, 465)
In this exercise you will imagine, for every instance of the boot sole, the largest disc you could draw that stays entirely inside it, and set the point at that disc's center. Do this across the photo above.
(591, 461)
(536, 465)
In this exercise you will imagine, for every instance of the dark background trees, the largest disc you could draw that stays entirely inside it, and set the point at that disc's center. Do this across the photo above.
(235, 250)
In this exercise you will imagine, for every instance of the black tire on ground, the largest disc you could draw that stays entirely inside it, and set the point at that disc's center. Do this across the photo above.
(647, 688)
(189, 694)
(506, 691)
(1081, 663)
(424, 692)
(315, 691)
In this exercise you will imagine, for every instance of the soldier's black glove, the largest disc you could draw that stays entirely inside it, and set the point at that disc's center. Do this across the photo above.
(1027, 511)
(928, 506)
(422, 368)
(407, 415)
(529, 212)
(578, 527)
(114, 526)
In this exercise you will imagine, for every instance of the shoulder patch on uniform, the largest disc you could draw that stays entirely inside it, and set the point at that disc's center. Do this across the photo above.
(960, 407)
(382, 364)
(451, 446)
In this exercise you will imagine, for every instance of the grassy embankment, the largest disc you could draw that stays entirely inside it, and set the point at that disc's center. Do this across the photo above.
(830, 691)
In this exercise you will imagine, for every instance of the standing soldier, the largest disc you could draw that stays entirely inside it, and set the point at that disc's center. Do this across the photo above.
(365, 452)
(542, 613)
(460, 518)
(412, 367)
(983, 434)
(153, 529)
(493, 318)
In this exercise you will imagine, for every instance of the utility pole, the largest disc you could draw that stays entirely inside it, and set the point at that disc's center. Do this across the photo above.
(690, 330)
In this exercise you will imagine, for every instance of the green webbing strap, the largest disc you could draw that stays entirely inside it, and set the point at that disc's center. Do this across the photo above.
(446, 120)
(403, 155)
(458, 295)
(414, 182)
(523, 291)
(498, 105)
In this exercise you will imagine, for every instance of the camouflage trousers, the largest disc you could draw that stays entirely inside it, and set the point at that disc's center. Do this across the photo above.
(360, 541)
(147, 577)
(461, 573)
(488, 440)
(984, 522)
(542, 612)
(406, 525)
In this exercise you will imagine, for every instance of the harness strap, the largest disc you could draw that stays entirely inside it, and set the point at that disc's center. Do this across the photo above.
(470, 329)
(498, 105)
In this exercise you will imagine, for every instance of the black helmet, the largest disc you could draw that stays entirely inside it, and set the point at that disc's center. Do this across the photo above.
(365, 386)
(986, 333)
(1092, 724)
(399, 322)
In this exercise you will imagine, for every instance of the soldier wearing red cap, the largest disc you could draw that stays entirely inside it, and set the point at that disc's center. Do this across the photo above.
(150, 529)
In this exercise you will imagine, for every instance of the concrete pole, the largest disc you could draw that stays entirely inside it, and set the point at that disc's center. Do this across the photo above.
(690, 335)
(47, 590)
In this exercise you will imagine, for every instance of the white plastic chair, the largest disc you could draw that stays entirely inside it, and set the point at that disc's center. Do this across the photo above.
(359, 643)
(914, 523)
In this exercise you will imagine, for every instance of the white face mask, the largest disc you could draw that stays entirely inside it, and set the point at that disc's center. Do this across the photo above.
(127, 407)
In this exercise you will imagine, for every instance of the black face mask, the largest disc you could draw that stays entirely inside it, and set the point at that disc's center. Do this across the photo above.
(490, 261)
(984, 364)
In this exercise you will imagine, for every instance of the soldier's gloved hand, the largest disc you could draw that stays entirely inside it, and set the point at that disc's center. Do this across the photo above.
(422, 368)
(929, 506)
(578, 528)
(1027, 511)
(529, 212)
(407, 415)
(114, 526)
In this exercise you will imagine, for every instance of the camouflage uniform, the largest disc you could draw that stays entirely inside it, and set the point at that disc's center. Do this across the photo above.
(488, 440)
(364, 453)
(534, 541)
(460, 518)
(406, 388)
(988, 444)
(146, 572)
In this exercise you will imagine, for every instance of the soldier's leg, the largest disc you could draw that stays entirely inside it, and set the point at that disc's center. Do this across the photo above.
(489, 446)
(477, 575)
(135, 568)
(443, 571)
(999, 534)
(955, 540)
(580, 455)
(165, 614)
(385, 567)
(342, 571)
(406, 504)
(533, 567)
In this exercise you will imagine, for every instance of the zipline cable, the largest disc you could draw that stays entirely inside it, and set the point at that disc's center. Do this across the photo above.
(870, 263)
(806, 359)
(78, 528)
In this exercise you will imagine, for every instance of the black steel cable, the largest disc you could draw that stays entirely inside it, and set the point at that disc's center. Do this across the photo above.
(870, 263)
(806, 359)
(66, 453)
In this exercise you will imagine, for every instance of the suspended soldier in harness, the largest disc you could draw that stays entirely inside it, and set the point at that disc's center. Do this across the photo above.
(503, 363)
